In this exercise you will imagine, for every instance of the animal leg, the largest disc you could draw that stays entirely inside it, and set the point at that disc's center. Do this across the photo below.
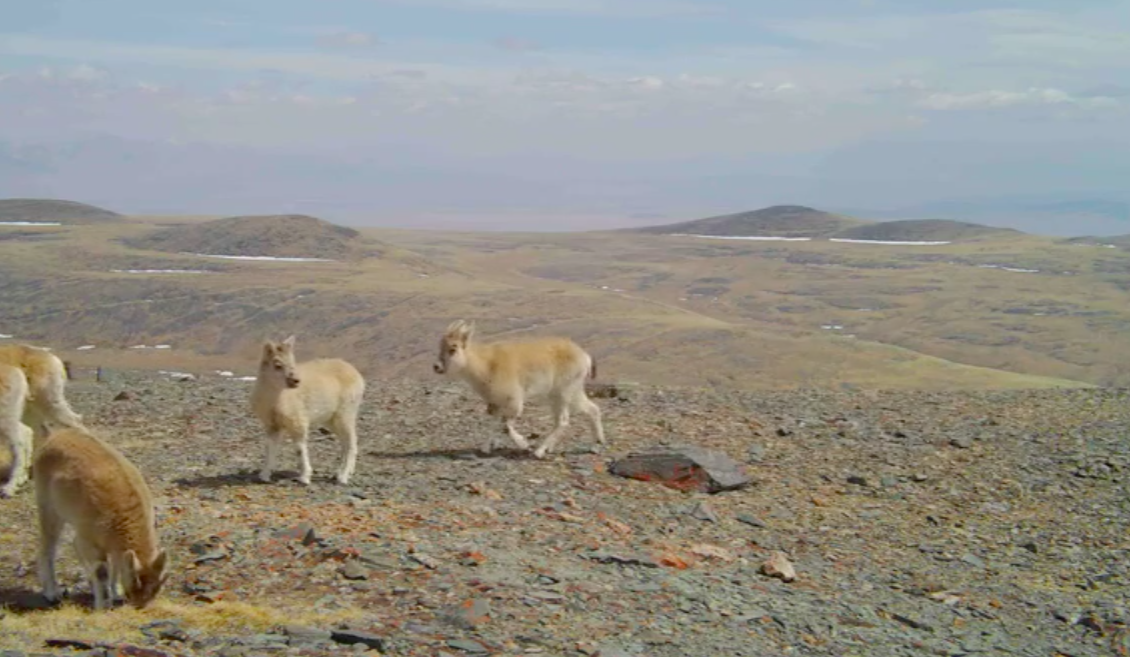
(492, 440)
(113, 581)
(518, 438)
(21, 444)
(55, 407)
(561, 417)
(345, 426)
(96, 569)
(511, 410)
(270, 457)
(587, 406)
(50, 529)
(301, 440)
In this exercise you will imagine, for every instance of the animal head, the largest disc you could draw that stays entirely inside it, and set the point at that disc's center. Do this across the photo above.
(278, 362)
(142, 581)
(453, 347)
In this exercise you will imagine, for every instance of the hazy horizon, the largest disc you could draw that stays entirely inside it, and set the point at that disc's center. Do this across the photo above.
(487, 114)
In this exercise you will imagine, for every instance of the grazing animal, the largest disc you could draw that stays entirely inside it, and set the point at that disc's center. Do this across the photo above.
(291, 398)
(17, 435)
(85, 482)
(46, 406)
(506, 374)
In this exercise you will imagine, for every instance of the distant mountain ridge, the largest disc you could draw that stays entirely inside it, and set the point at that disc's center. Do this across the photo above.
(912, 230)
(53, 210)
(798, 221)
(275, 236)
(773, 221)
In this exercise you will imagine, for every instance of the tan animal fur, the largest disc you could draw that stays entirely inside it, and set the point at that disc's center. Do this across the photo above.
(506, 374)
(292, 398)
(46, 406)
(83, 481)
(16, 434)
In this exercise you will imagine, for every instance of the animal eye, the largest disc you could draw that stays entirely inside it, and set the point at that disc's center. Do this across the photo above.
(278, 366)
(451, 350)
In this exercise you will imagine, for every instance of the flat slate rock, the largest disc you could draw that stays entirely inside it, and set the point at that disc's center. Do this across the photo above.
(687, 467)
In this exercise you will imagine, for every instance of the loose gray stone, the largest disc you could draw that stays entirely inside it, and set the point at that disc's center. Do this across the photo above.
(353, 570)
(358, 637)
(752, 521)
(468, 646)
(703, 511)
(299, 634)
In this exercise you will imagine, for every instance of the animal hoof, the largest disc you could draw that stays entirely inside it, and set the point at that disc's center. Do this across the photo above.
(265, 478)
(539, 453)
(305, 481)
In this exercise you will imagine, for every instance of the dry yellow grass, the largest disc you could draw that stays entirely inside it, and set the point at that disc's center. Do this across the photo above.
(223, 618)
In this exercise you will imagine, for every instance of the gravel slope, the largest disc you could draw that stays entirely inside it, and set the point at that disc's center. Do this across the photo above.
(918, 523)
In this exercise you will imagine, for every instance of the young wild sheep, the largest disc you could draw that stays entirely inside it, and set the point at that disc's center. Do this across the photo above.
(16, 434)
(505, 374)
(46, 406)
(85, 482)
(290, 399)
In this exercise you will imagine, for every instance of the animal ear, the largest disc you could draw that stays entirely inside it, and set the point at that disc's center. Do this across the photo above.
(467, 331)
(288, 343)
(455, 327)
(132, 566)
(160, 563)
(268, 348)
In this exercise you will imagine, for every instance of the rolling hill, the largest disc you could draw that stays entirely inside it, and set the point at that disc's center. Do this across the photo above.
(1022, 311)
(53, 210)
(1113, 241)
(774, 221)
(913, 230)
(273, 236)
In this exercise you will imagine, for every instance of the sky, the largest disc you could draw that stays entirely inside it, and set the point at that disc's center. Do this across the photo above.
(563, 113)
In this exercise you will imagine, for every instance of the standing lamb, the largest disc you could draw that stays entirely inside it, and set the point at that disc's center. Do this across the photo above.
(291, 399)
(46, 406)
(16, 434)
(85, 482)
(507, 373)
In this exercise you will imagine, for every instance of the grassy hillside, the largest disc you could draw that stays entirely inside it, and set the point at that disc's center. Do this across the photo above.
(1005, 312)
(1114, 241)
(286, 236)
(775, 221)
(924, 230)
(53, 210)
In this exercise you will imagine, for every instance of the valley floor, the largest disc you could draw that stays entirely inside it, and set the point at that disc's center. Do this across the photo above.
(919, 523)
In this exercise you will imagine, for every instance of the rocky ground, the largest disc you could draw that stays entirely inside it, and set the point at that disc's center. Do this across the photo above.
(918, 523)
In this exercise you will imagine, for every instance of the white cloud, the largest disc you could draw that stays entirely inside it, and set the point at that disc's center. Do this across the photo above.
(347, 40)
(515, 44)
(327, 66)
(646, 82)
(996, 99)
(86, 73)
(1059, 39)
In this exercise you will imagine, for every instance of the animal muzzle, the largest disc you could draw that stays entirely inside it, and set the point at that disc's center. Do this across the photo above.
(292, 382)
(438, 367)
